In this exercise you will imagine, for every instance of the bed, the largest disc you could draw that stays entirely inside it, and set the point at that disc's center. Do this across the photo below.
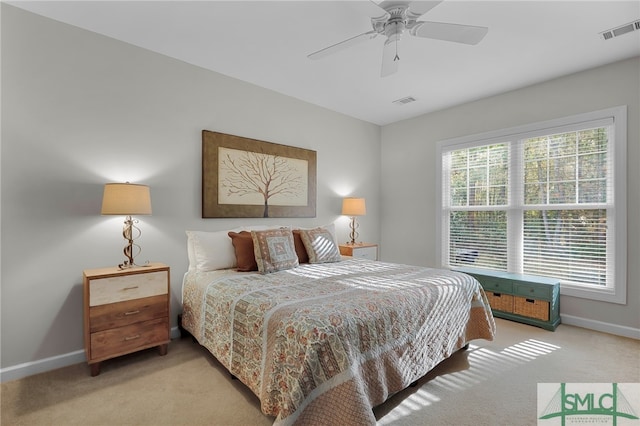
(325, 342)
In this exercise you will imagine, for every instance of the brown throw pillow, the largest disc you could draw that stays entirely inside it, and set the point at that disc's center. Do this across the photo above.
(243, 245)
(303, 257)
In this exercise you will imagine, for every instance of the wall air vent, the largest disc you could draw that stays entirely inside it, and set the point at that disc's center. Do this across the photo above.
(403, 101)
(618, 31)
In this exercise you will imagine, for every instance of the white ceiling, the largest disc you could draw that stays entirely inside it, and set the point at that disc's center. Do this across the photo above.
(267, 42)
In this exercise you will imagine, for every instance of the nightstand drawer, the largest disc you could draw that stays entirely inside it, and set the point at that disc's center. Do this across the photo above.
(370, 253)
(124, 313)
(127, 287)
(109, 343)
(533, 291)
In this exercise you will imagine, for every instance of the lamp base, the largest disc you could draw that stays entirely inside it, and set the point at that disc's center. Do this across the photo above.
(354, 234)
(128, 233)
(127, 265)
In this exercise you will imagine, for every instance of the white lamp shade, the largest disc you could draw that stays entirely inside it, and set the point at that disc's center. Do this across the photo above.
(352, 206)
(126, 199)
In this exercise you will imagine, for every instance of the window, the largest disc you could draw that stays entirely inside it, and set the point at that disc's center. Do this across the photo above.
(546, 199)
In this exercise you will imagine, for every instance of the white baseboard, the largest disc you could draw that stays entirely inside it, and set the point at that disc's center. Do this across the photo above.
(605, 327)
(40, 366)
(47, 364)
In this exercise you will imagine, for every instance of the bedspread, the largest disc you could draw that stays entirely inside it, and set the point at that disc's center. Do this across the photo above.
(324, 343)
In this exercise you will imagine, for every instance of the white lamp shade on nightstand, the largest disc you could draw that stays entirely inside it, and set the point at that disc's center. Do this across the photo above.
(126, 199)
(352, 206)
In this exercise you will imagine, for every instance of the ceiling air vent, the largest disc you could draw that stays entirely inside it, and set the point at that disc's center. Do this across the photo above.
(618, 31)
(403, 101)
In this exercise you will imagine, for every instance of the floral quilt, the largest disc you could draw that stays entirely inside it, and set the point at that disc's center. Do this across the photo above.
(324, 343)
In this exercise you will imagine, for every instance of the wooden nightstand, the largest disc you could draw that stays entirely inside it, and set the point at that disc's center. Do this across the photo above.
(125, 310)
(362, 250)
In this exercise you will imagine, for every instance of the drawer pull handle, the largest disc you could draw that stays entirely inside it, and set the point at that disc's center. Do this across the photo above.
(497, 294)
(130, 288)
(137, 336)
(531, 301)
(132, 312)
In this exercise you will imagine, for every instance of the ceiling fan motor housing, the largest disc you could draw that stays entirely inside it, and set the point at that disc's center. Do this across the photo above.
(392, 25)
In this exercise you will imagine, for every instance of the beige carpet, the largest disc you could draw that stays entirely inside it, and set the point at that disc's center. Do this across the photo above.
(492, 383)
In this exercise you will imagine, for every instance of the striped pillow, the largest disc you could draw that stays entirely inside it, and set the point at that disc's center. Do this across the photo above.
(320, 245)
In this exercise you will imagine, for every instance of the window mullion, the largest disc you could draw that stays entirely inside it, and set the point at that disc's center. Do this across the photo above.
(576, 176)
(515, 207)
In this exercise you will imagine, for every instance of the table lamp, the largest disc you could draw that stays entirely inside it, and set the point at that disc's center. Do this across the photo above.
(127, 199)
(353, 207)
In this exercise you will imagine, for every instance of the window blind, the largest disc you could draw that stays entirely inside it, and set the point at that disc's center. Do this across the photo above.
(478, 179)
(567, 185)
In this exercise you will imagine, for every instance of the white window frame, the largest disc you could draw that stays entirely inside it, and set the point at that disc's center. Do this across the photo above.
(616, 292)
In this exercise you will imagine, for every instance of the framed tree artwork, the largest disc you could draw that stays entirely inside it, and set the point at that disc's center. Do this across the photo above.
(244, 177)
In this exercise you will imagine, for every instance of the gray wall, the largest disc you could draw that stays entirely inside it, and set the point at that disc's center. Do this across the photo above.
(409, 172)
(80, 110)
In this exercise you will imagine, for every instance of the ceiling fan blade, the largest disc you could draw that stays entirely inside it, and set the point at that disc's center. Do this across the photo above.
(342, 45)
(467, 34)
(419, 8)
(390, 58)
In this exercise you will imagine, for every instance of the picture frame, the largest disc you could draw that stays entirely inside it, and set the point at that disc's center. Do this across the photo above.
(244, 177)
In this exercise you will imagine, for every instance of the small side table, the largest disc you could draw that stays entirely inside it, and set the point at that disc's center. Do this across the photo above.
(361, 250)
(125, 311)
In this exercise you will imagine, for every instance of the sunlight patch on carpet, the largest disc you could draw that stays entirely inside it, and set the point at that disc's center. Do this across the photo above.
(484, 364)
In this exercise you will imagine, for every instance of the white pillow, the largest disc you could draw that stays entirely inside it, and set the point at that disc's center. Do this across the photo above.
(191, 251)
(209, 251)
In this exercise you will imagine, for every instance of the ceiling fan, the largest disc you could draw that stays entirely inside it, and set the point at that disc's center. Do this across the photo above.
(401, 17)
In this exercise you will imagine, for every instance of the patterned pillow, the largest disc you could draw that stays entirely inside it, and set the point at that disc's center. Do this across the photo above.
(320, 245)
(274, 250)
(243, 245)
